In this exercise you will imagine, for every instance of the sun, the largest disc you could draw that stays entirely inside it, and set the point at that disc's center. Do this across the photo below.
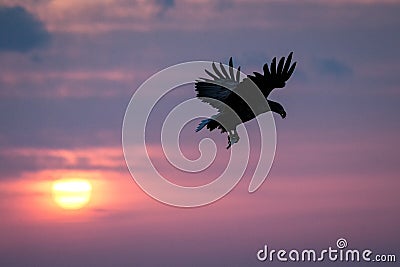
(72, 194)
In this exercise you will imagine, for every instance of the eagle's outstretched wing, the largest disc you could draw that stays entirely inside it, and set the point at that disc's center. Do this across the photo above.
(216, 90)
(274, 76)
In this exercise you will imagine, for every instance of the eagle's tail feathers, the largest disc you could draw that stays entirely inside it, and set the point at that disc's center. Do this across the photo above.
(202, 124)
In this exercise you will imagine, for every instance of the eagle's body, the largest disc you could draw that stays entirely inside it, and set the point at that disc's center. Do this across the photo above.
(240, 101)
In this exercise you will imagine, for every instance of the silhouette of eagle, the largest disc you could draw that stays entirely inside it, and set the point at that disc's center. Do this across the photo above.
(225, 92)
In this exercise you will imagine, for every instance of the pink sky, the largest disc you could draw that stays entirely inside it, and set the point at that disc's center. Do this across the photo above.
(66, 82)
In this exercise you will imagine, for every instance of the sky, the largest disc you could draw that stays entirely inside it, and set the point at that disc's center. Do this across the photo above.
(69, 69)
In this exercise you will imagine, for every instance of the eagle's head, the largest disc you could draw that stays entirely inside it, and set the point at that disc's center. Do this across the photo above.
(277, 108)
(282, 113)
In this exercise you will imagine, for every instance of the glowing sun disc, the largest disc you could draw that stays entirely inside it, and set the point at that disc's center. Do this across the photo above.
(72, 194)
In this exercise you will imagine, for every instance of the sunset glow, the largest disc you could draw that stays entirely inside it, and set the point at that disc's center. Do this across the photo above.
(72, 194)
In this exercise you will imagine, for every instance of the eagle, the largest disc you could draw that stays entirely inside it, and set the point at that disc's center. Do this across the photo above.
(238, 101)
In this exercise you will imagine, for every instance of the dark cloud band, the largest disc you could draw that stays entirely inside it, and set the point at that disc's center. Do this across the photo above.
(20, 31)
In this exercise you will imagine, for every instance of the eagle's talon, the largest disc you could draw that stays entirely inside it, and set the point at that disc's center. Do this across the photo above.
(233, 138)
(229, 143)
